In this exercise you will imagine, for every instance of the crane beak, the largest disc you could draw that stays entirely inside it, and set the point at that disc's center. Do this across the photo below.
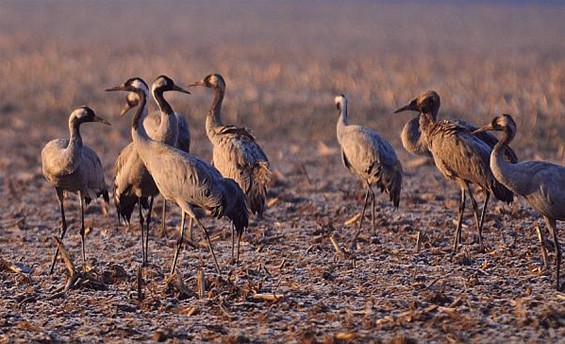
(198, 83)
(180, 89)
(409, 107)
(483, 129)
(125, 109)
(116, 88)
(100, 119)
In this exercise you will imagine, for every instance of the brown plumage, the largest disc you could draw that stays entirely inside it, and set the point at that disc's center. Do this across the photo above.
(183, 178)
(236, 153)
(411, 135)
(541, 183)
(459, 156)
(370, 157)
(70, 166)
(132, 182)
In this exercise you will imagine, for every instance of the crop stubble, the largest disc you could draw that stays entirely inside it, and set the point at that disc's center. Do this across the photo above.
(300, 279)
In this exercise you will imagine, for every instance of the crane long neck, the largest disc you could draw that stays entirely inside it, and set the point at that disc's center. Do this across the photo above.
(74, 147)
(342, 121)
(138, 132)
(412, 138)
(163, 104)
(497, 160)
(425, 121)
(433, 114)
(214, 119)
(167, 131)
(512, 176)
(75, 139)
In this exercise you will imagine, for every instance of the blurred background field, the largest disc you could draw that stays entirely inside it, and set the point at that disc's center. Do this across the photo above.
(284, 61)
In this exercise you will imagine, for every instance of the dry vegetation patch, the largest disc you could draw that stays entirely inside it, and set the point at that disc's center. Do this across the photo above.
(303, 277)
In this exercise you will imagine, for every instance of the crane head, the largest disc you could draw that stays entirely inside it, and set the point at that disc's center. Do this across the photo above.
(211, 81)
(504, 122)
(427, 102)
(164, 83)
(340, 102)
(132, 100)
(131, 85)
(85, 114)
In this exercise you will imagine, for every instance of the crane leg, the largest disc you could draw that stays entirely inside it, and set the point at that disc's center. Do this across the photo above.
(460, 221)
(552, 225)
(541, 240)
(238, 244)
(82, 231)
(232, 241)
(142, 229)
(190, 232)
(233, 232)
(483, 213)
(364, 207)
(477, 221)
(60, 197)
(209, 243)
(147, 229)
(163, 218)
(373, 201)
(179, 243)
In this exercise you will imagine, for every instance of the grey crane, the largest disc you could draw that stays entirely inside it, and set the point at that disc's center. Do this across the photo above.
(459, 155)
(133, 184)
(541, 183)
(370, 157)
(152, 121)
(183, 178)
(71, 166)
(236, 153)
(126, 202)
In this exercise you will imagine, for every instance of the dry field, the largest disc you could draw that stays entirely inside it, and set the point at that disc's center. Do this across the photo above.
(284, 62)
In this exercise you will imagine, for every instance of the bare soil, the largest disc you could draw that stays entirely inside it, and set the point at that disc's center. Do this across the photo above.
(301, 277)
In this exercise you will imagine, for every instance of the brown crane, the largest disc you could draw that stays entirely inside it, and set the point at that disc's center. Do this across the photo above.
(71, 166)
(133, 184)
(459, 155)
(370, 157)
(183, 178)
(236, 153)
(411, 135)
(541, 183)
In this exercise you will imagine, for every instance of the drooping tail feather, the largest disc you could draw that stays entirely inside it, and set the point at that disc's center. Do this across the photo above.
(258, 192)
(236, 205)
(125, 205)
(502, 193)
(106, 205)
(390, 181)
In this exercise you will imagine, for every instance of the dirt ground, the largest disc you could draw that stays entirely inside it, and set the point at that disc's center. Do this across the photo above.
(301, 277)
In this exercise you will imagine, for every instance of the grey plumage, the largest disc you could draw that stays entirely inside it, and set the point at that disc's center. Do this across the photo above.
(70, 166)
(152, 122)
(458, 155)
(236, 153)
(133, 184)
(541, 183)
(183, 178)
(370, 157)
